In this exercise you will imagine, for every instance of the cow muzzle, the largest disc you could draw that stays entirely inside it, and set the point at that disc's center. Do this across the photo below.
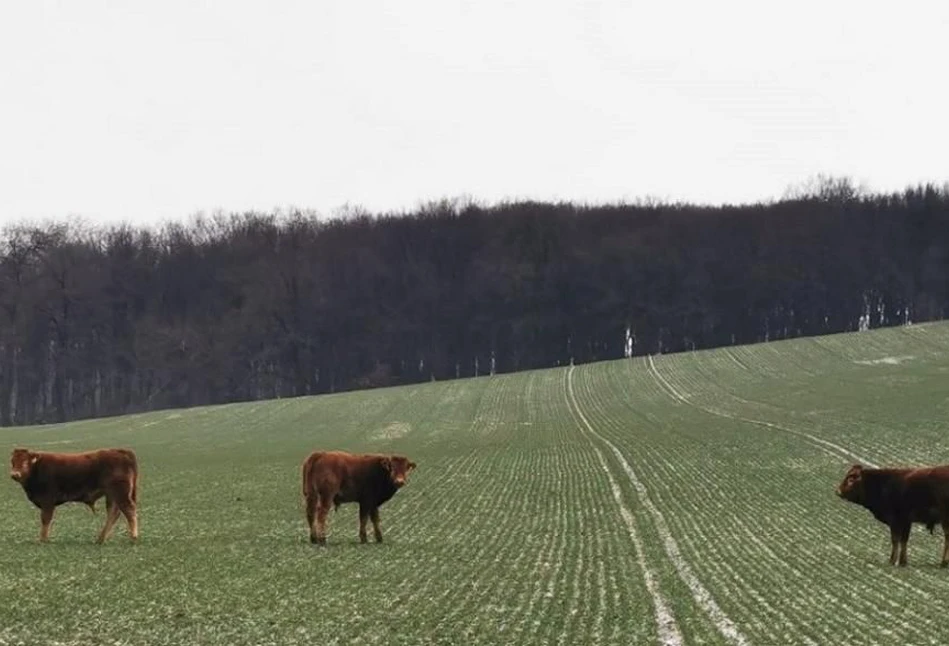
(16, 475)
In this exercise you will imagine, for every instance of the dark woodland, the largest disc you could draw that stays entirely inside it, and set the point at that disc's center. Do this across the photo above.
(98, 321)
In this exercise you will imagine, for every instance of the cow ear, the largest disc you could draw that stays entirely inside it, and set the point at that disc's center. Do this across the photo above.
(387, 464)
(33, 459)
(412, 465)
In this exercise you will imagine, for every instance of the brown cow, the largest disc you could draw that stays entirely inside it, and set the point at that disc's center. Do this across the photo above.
(899, 498)
(51, 479)
(335, 477)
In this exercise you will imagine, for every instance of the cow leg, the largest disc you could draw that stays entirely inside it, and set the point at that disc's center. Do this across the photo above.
(904, 539)
(945, 544)
(46, 518)
(311, 505)
(131, 517)
(322, 510)
(112, 515)
(374, 515)
(363, 519)
(126, 505)
(894, 544)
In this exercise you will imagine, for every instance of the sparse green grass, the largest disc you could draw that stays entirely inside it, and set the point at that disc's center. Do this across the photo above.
(558, 506)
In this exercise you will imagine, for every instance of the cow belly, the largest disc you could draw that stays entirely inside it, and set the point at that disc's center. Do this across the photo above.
(928, 517)
(86, 497)
(346, 496)
(363, 497)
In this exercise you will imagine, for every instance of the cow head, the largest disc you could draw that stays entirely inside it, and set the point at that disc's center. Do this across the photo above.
(398, 468)
(852, 486)
(21, 461)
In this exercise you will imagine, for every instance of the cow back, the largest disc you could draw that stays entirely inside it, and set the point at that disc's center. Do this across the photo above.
(66, 477)
(919, 495)
(348, 477)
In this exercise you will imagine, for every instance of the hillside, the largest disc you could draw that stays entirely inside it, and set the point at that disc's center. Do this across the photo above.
(681, 499)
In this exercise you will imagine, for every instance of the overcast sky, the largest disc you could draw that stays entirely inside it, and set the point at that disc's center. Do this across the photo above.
(151, 111)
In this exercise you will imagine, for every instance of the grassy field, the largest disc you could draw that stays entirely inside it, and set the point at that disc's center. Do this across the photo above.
(682, 499)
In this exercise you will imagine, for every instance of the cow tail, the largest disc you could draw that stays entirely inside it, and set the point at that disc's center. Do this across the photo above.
(306, 475)
(133, 481)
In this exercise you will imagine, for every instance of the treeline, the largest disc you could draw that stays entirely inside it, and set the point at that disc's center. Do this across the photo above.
(105, 320)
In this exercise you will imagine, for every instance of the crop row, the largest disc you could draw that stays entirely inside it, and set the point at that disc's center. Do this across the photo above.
(745, 488)
(682, 499)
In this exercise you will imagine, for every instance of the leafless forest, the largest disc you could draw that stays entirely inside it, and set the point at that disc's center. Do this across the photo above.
(106, 320)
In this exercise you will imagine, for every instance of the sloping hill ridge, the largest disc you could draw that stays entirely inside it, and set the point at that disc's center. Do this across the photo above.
(679, 499)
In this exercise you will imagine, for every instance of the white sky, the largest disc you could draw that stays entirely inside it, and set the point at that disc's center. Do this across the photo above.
(149, 111)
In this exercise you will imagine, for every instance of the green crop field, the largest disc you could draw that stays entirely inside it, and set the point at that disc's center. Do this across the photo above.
(681, 499)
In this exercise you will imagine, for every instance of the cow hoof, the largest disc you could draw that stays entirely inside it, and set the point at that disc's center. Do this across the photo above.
(944, 564)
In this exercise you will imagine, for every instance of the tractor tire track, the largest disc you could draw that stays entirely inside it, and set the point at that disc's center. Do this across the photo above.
(666, 625)
(826, 446)
(700, 593)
